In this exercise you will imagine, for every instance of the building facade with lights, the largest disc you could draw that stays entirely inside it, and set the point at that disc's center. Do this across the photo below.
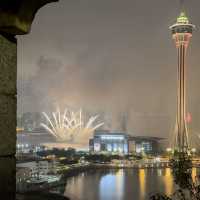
(121, 143)
(145, 144)
(110, 142)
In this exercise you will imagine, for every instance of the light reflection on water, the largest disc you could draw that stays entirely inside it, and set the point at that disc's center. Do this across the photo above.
(123, 184)
(194, 174)
(112, 182)
(142, 182)
(168, 180)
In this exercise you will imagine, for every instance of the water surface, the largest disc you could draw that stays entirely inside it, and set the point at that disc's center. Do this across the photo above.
(123, 184)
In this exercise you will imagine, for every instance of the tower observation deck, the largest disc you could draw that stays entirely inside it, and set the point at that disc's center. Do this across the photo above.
(181, 32)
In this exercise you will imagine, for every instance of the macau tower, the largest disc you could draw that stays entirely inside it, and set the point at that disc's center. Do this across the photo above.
(181, 32)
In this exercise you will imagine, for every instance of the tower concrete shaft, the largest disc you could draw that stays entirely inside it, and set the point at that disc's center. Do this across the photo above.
(181, 32)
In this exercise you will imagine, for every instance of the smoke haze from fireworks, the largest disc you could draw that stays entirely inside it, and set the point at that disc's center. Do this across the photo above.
(107, 59)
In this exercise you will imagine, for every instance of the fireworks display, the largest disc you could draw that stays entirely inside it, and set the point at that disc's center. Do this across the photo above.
(70, 126)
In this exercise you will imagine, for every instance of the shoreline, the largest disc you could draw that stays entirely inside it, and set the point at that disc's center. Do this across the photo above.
(76, 171)
(67, 173)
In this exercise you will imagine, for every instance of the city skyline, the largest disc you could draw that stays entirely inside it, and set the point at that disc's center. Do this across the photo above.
(107, 105)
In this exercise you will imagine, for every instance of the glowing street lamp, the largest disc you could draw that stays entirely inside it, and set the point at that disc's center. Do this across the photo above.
(193, 150)
(169, 150)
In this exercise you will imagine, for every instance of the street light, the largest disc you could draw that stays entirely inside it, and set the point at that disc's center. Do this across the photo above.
(169, 150)
(193, 150)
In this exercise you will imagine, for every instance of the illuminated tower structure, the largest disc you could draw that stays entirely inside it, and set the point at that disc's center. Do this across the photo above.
(181, 33)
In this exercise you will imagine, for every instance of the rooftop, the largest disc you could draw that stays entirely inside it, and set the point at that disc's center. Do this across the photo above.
(151, 138)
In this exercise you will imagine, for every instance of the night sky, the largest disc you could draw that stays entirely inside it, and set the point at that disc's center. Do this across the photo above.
(111, 57)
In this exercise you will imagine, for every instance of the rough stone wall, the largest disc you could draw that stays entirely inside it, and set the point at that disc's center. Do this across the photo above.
(8, 73)
(16, 17)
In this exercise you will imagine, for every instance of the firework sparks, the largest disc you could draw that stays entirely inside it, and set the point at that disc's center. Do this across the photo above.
(70, 126)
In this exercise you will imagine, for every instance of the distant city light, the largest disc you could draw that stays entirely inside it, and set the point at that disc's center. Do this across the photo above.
(113, 137)
(157, 159)
(169, 149)
(193, 150)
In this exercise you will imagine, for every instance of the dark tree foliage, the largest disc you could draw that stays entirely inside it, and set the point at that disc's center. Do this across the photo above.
(182, 170)
(159, 197)
(58, 152)
(69, 161)
(181, 165)
(98, 158)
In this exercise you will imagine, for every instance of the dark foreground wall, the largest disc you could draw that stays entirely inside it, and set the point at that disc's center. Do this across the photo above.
(16, 17)
(8, 69)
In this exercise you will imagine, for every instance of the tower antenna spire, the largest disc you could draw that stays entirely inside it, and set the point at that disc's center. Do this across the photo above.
(182, 5)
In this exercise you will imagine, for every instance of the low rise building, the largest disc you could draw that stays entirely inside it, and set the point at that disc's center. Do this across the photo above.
(122, 143)
(145, 144)
(31, 165)
(23, 174)
(39, 167)
(111, 142)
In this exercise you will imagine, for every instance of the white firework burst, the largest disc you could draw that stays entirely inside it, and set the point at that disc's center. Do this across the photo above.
(70, 126)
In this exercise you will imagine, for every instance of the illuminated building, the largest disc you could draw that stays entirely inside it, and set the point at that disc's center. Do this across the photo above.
(23, 174)
(181, 33)
(146, 144)
(30, 139)
(38, 167)
(110, 142)
(30, 121)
